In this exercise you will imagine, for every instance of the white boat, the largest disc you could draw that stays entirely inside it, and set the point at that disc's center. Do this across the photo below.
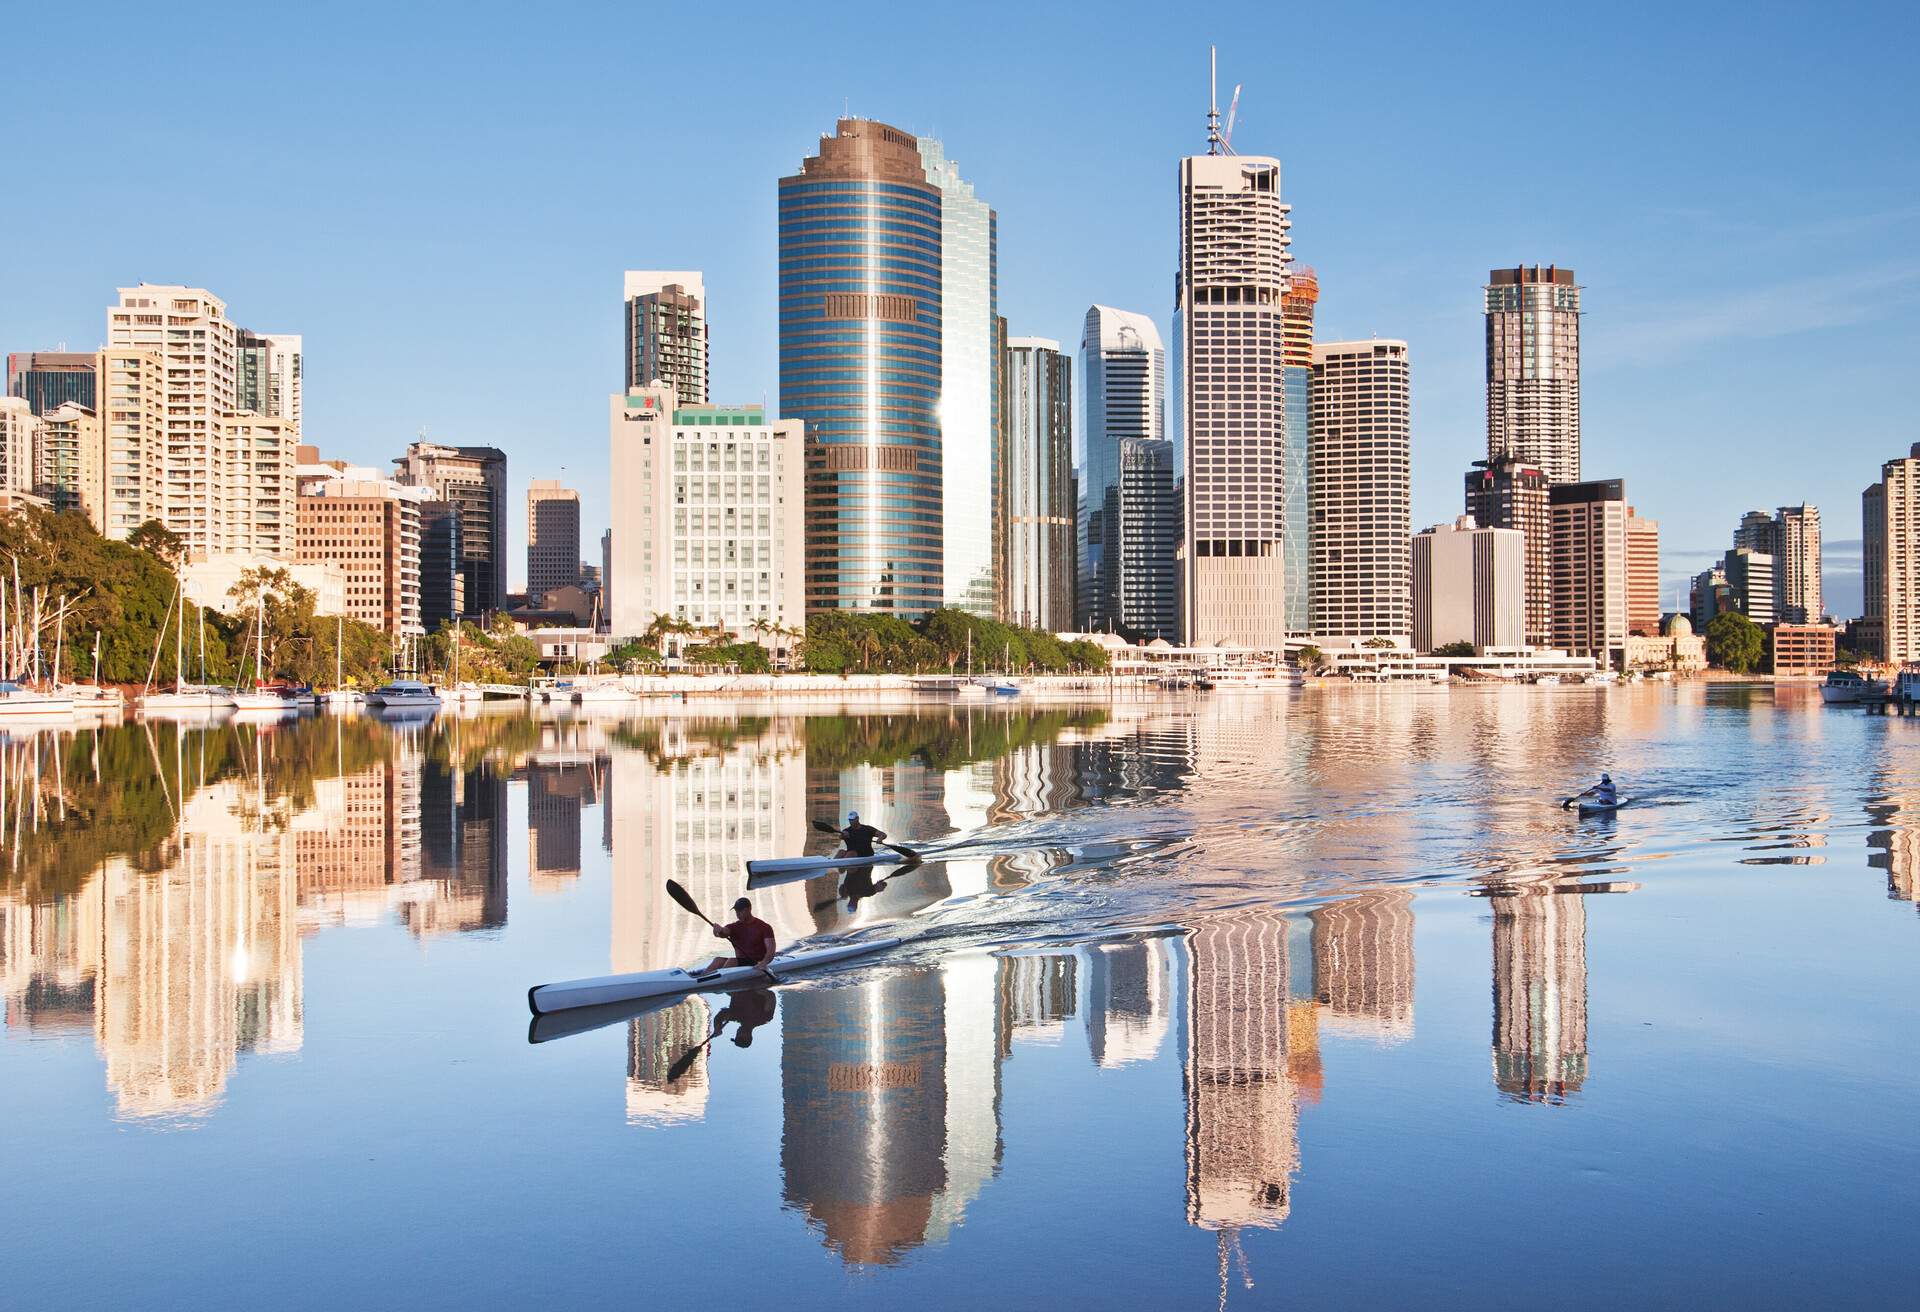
(342, 699)
(1256, 680)
(404, 694)
(194, 699)
(971, 690)
(544, 999)
(1906, 686)
(1547, 681)
(463, 694)
(1846, 687)
(261, 697)
(1002, 687)
(19, 700)
(793, 865)
(587, 694)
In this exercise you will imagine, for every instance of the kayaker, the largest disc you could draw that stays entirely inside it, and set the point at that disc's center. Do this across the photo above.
(858, 839)
(750, 1009)
(1601, 794)
(752, 940)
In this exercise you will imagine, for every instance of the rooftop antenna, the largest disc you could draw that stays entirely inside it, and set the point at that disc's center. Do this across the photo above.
(1213, 101)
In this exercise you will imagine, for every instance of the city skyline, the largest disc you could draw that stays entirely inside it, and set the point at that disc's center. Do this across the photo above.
(1675, 314)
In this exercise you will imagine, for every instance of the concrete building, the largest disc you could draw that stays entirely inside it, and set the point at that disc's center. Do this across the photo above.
(1234, 275)
(1505, 493)
(1033, 490)
(553, 537)
(1148, 541)
(712, 526)
(368, 527)
(1803, 651)
(443, 589)
(1361, 491)
(1890, 558)
(1123, 398)
(253, 462)
(473, 478)
(1590, 570)
(1643, 574)
(1533, 369)
(19, 439)
(47, 380)
(1469, 585)
(1797, 592)
(268, 379)
(1677, 648)
(971, 342)
(133, 419)
(1297, 307)
(861, 352)
(1707, 596)
(67, 461)
(666, 323)
(1756, 532)
(1749, 576)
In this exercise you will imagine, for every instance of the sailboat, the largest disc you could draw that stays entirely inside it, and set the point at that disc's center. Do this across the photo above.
(18, 700)
(86, 696)
(458, 693)
(261, 697)
(188, 698)
(340, 697)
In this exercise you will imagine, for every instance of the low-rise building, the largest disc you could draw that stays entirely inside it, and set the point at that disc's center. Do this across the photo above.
(1678, 649)
(1803, 651)
(1469, 585)
(369, 528)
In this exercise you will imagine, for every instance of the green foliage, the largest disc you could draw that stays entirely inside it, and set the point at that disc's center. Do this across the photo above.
(1312, 658)
(634, 655)
(496, 655)
(843, 641)
(1378, 644)
(747, 657)
(943, 742)
(1734, 642)
(1454, 649)
(158, 541)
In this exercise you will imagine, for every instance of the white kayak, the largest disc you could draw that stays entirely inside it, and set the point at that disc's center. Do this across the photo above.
(798, 865)
(544, 999)
(1603, 808)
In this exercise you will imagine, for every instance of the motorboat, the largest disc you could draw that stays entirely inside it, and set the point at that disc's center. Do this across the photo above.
(1848, 687)
(601, 693)
(342, 699)
(404, 694)
(17, 699)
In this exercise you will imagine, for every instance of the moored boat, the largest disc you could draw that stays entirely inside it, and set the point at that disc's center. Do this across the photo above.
(1846, 687)
(19, 700)
(404, 694)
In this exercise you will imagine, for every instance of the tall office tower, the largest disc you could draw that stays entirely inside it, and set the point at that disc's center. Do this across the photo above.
(1148, 541)
(1755, 532)
(1797, 596)
(443, 591)
(1533, 369)
(1469, 585)
(67, 464)
(1033, 496)
(49, 379)
(368, 529)
(1590, 570)
(267, 378)
(711, 531)
(606, 577)
(1643, 575)
(1234, 276)
(553, 538)
(475, 479)
(1504, 493)
(666, 322)
(861, 352)
(1297, 315)
(1539, 995)
(970, 410)
(19, 438)
(133, 416)
(1361, 493)
(1749, 575)
(1123, 398)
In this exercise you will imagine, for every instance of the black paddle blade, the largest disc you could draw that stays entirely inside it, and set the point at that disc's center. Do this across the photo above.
(685, 899)
(826, 826)
(685, 1063)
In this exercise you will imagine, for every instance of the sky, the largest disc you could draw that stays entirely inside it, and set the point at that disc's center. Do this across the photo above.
(442, 198)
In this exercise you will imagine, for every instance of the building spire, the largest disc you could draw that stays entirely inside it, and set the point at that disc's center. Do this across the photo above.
(1213, 101)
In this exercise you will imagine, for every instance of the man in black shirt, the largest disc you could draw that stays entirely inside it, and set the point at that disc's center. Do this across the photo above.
(858, 839)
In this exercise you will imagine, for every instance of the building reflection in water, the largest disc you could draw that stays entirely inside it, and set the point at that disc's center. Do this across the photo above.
(1129, 1001)
(655, 1042)
(1539, 993)
(559, 785)
(1894, 842)
(1363, 964)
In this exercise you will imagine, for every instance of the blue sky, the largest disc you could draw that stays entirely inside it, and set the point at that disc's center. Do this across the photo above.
(442, 198)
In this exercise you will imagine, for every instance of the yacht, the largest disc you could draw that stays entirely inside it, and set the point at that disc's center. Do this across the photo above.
(18, 699)
(186, 698)
(404, 694)
(1845, 687)
(601, 693)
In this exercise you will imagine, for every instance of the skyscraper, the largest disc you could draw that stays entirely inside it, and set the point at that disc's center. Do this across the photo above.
(1149, 541)
(19, 435)
(474, 478)
(369, 529)
(553, 537)
(443, 590)
(1234, 276)
(970, 381)
(67, 468)
(1590, 570)
(1123, 389)
(1503, 493)
(1756, 532)
(1797, 594)
(48, 379)
(666, 324)
(1361, 496)
(1297, 313)
(1643, 575)
(1749, 575)
(1033, 496)
(1533, 369)
(268, 374)
(861, 348)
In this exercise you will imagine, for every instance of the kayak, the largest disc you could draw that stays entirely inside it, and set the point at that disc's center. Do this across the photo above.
(1603, 808)
(543, 999)
(798, 865)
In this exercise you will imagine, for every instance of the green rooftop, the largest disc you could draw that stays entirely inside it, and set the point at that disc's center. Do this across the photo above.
(710, 415)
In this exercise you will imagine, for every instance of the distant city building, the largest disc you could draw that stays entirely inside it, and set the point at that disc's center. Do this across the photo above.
(1361, 490)
(1590, 570)
(19, 436)
(474, 478)
(1539, 995)
(1756, 532)
(1504, 493)
(1797, 593)
(1034, 495)
(1533, 369)
(553, 536)
(67, 464)
(133, 389)
(1643, 574)
(1469, 585)
(1675, 648)
(1803, 651)
(47, 380)
(1297, 306)
(860, 364)
(443, 588)
(711, 530)
(267, 378)
(1890, 559)
(970, 382)
(1148, 541)
(667, 338)
(1708, 595)
(606, 577)
(1234, 276)
(1749, 576)
(1123, 397)
(369, 528)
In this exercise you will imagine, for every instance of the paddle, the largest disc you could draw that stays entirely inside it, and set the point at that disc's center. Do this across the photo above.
(907, 853)
(685, 899)
(685, 1063)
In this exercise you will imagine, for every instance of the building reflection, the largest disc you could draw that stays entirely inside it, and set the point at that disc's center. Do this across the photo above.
(655, 1042)
(463, 848)
(1894, 842)
(559, 787)
(1539, 993)
(1129, 1001)
(1363, 964)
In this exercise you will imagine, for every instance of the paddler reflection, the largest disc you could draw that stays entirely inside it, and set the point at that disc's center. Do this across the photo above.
(858, 883)
(749, 1009)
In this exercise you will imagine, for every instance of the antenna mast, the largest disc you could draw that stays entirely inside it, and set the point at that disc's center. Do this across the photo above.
(1213, 101)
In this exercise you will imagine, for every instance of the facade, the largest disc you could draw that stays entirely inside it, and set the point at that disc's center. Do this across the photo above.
(1504, 493)
(1643, 574)
(1297, 315)
(67, 462)
(1590, 570)
(1123, 398)
(19, 438)
(861, 348)
(1361, 492)
(970, 382)
(1469, 585)
(443, 589)
(553, 537)
(133, 389)
(1149, 534)
(1803, 651)
(369, 529)
(1890, 559)
(474, 478)
(1756, 532)
(47, 380)
(712, 528)
(1749, 576)
(1034, 494)
(252, 463)
(1797, 593)
(1234, 275)
(1707, 596)
(1676, 648)
(268, 374)
(667, 340)
(1533, 369)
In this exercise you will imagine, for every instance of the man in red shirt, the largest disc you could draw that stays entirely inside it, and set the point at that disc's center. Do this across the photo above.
(751, 937)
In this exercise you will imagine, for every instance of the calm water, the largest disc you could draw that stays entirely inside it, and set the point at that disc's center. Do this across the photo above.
(1266, 1001)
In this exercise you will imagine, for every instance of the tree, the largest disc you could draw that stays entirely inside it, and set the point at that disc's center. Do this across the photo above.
(1734, 642)
(158, 541)
(1454, 649)
(1379, 644)
(1312, 658)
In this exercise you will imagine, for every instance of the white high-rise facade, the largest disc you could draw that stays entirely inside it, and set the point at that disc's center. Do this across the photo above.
(1533, 369)
(1360, 490)
(1123, 383)
(1797, 593)
(1234, 273)
(1890, 560)
(19, 438)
